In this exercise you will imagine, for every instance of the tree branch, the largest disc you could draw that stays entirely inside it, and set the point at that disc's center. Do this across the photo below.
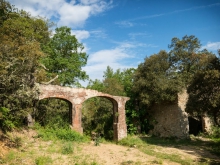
(43, 66)
(46, 83)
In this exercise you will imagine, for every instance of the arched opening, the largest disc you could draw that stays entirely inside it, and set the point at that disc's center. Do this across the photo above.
(99, 114)
(54, 112)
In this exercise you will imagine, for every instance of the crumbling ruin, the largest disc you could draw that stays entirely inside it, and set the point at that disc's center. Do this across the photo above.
(171, 120)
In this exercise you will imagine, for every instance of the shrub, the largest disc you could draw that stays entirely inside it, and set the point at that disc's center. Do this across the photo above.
(17, 142)
(6, 122)
(61, 134)
(215, 133)
(43, 160)
(67, 148)
(131, 141)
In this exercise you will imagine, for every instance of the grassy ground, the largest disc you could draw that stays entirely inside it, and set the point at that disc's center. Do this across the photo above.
(45, 146)
(206, 150)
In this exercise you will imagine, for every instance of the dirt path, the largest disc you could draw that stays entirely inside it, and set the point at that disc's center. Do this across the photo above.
(109, 154)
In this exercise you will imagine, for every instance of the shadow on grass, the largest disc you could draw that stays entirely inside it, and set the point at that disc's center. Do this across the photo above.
(208, 150)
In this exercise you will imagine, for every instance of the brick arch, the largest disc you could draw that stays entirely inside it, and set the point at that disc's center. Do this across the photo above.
(76, 96)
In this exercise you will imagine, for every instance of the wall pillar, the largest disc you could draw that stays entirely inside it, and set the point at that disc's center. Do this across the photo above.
(121, 126)
(76, 118)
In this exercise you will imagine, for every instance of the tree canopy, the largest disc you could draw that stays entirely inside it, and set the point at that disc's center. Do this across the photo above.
(186, 58)
(204, 92)
(153, 80)
(65, 57)
(29, 55)
(20, 52)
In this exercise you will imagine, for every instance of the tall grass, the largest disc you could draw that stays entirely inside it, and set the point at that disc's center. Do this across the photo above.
(66, 134)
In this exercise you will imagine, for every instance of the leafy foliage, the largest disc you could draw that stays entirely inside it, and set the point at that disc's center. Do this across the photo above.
(41, 160)
(97, 116)
(67, 148)
(153, 81)
(65, 57)
(186, 59)
(65, 134)
(53, 113)
(20, 51)
(204, 91)
(6, 120)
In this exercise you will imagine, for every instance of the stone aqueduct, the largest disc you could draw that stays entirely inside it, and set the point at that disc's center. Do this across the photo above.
(76, 96)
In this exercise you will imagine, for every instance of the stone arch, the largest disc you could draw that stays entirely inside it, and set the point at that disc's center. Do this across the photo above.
(76, 96)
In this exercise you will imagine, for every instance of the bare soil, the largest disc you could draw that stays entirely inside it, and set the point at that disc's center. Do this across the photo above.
(109, 154)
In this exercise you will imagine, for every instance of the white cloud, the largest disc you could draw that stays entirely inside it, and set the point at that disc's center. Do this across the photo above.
(213, 46)
(120, 57)
(39, 7)
(74, 13)
(88, 2)
(116, 58)
(80, 34)
(98, 33)
(125, 24)
(134, 44)
(138, 35)
(108, 56)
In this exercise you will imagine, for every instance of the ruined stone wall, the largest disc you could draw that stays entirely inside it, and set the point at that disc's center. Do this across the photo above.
(171, 120)
(206, 124)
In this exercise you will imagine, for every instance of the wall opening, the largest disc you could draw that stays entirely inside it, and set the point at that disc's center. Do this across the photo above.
(195, 125)
(98, 116)
(54, 112)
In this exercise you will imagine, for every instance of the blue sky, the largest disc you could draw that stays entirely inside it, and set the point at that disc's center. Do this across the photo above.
(121, 33)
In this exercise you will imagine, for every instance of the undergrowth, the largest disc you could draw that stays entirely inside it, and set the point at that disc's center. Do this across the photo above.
(49, 146)
(66, 134)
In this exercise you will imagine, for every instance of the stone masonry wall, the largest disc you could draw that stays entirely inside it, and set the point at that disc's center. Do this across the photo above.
(171, 118)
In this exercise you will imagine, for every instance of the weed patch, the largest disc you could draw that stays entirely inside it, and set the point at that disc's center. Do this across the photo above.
(60, 134)
(43, 160)
(67, 148)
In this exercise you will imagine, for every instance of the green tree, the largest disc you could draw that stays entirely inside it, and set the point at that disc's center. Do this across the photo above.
(6, 11)
(97, 116)
(153, 80)
(53, 113)
(186, 57)
(65, 58)
(96, 85)
(20, 51)
(204, 92)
